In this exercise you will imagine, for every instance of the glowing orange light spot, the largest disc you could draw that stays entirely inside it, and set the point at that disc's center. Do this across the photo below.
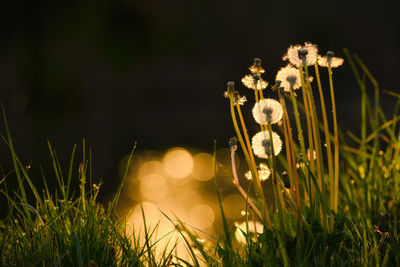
(178, 163)
(202, 216)
(203, 167)
(233, 205)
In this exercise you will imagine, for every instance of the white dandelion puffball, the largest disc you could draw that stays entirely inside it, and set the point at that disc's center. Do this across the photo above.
(334, 61)
(289, 77)
(248, 81)
(263, 173)
(267, 111)
(261, 144)
(253, 227)
(310, 54)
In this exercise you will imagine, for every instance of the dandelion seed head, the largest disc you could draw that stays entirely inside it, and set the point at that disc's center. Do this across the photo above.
(230, 84)
(241, 100)
(249, 82)
(257, 62)
(256, 67)
(302, 55)
(289, 77)
(226, 94)
(326, 60)
(267, 111)
(263, 172)
(292, 80)
(237, 98)
(261, 144)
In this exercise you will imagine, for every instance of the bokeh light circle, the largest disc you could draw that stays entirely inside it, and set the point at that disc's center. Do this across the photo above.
(233, 204)
(202, 215)
(203, 167)
(178, 163)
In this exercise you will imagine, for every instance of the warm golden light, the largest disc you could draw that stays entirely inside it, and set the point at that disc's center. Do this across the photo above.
(153, 186)
(178, 163)
(150, 167)
(253, 227)
(233, 205)
(164, 182)
(152, 215)
(202, 216)
(203, 167)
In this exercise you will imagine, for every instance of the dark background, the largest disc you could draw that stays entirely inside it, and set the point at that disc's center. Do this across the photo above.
(115, 72)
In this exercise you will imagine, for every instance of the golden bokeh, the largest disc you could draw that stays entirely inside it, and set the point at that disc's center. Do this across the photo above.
(178, 163)
(153, 187)
(203, 167)
(165, 182)
(202, 216)
(150, 167)
(233, 204)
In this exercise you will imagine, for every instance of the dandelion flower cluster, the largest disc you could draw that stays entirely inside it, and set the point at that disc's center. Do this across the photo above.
(237, 98)
(329, 59)
(289, 77)
(302, 55)
(254, 228)
(261, 144)
(263, 172)
(249, 82)
(267, 111)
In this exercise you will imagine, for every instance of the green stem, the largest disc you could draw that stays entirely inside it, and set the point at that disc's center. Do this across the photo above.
(254, 172)
(336, 142)
(327, 140)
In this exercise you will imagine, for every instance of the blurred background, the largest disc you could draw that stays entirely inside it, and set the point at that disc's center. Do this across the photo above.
(116, 72)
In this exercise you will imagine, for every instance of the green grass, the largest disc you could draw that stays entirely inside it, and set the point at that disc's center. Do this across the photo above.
(340, 208)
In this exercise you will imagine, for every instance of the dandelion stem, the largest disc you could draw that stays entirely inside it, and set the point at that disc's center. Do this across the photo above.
(317, 143)
(336, 141)
(250, 151)
(254, 172)
(246, 136)
(297, 119)
(277, 189)
(239, 187)
(292, 163)
(328, 143)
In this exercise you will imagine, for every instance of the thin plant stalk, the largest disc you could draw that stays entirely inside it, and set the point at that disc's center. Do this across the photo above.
(317, 142)
(239, 187)
(299, 129)
(254, 172)
(246, 137)
(298, 123)
(251, 154)
(308, 120)
(327, 140)
(336, 141)
(315, 124)
(294, 188)
(277, 191)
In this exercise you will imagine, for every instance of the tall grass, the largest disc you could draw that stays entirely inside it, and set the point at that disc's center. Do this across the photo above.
(335, 197)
